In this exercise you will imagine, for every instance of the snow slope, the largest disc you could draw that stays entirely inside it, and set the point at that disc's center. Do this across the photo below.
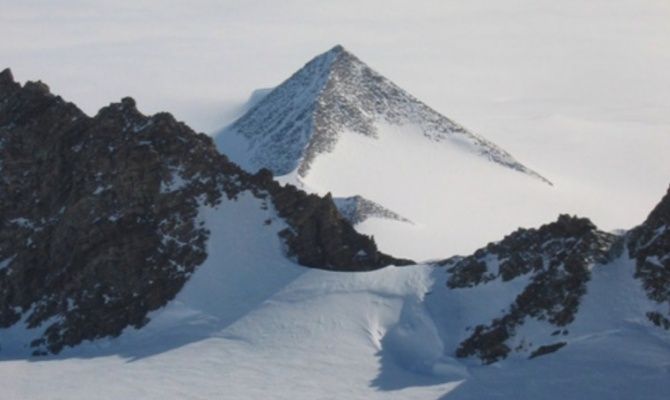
(252, 324)
(248, 322)
(455, 199)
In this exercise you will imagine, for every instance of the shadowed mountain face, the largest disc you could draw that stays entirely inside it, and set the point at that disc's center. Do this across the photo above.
(336, 92)
(99, 216)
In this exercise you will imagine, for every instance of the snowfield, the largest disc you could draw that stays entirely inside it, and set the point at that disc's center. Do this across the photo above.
(252, 324)
(247, 323)
(431, 184)
(577, 91)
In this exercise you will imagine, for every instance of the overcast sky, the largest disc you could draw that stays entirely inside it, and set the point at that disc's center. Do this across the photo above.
(578, 90)
(192, 57)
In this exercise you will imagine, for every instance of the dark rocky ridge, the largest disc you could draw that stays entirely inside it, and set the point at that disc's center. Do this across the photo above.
(319, 236)
(556, 257)
(649, 245)
(98, 215)
(556, 260)
(357, 209)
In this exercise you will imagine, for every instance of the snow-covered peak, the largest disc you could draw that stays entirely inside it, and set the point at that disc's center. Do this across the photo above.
(357, 209)
(333, 93)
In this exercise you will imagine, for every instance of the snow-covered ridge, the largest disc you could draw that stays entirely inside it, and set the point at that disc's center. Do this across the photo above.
(392, 333)
(305, 115)
(386, 334)
(102, 227)
(547, 269)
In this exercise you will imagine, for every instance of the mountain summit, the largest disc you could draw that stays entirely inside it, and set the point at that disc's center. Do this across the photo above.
(335, 92)
(338, 126)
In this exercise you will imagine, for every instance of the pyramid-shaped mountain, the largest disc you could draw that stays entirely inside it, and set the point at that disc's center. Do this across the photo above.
(335, 92)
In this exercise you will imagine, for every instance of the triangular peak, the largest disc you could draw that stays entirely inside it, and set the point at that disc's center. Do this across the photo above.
(336, 92)
(6, 75)
(338, 48)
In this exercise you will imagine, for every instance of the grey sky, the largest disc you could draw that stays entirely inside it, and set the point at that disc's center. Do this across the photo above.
(197, 57)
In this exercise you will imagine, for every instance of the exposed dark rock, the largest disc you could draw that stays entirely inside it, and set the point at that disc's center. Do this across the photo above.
(649, 245)
(555, 262)
(98, 215)
(357, 209)
(318, 235)
(525, 250)
(556, 257)
(6, 78)
(487, 343)
(547, 349)
(659, 319)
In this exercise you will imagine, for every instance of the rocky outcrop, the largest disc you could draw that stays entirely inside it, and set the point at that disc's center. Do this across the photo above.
(555, 259)
(89, 239)
(357, 209)
(649, 245)
(99, 215)
(551, 266)
(319, 236)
